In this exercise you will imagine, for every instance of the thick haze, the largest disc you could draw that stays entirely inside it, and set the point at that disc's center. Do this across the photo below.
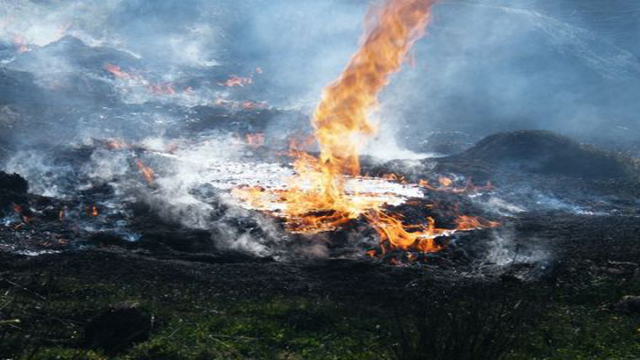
(570, 66)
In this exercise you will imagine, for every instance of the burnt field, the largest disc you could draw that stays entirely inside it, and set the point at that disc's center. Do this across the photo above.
(243, 180)
(551, 279)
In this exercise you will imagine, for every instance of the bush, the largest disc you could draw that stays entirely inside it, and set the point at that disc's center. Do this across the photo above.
(461, 323)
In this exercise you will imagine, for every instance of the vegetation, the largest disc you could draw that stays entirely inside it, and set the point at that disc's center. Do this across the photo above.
(47, 318)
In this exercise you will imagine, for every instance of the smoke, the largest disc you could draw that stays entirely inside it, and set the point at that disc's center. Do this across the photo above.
(504, 250)
(485, 66)
(489, 66)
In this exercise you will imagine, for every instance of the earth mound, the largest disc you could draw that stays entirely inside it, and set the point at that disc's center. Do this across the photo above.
(13, 189)
(547, 153)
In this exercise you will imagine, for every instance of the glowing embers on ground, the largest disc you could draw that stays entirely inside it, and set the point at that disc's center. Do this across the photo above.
(318, 197)
(136, 80)
(361, 195)
(147, 172)
(365, 199)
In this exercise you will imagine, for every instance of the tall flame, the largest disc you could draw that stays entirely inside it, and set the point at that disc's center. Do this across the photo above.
(341, 121)
(317, 199)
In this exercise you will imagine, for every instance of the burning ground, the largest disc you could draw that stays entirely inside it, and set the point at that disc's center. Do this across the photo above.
(163, 208)
(201, 269)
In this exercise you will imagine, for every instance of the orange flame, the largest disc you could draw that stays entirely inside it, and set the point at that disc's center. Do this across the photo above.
(116, 144)
(316, 199)
(472, 222)
(447, 185)
(394, 177)
(22, 44)
(147, 172)
(117, 71)
(18, 210)
(235, 80)
(250, 105)
(341, 121)
(94, 211)
(162, 89)
(255, 140)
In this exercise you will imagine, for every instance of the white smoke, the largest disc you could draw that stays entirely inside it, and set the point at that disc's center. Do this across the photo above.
(503, 250)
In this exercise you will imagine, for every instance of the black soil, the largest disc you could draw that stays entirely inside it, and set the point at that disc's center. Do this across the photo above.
(589, 262)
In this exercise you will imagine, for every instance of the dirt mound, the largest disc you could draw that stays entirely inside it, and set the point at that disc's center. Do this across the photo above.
(118, 328)
(544, 152)
(13, 189)
(445, 142)
(13, 183)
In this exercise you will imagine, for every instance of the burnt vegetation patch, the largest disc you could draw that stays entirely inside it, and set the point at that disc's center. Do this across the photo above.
(97, 303)
(546, 153)
(161, 196)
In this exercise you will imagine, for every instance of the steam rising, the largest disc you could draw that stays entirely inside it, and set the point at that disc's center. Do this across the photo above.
(487, 65)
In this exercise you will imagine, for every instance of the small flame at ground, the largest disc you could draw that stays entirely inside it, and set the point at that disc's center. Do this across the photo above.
(117, 71)
(22, 44)
(235, 80)
(147, 172)
(317, 199)
(255, 140)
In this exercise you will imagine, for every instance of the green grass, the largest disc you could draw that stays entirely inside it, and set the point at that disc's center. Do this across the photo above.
(47, 320)
(189, 323)
(580, 323)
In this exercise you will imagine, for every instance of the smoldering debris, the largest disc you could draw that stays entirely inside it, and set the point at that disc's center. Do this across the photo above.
(134, 142)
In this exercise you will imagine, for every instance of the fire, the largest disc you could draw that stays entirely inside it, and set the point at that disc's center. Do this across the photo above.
(22, 44)
(445, 181)
(341, 119)
(235, 80)
(94, 211)
(162, 89)
(18, 210)
(116, 144)
(317, 198)
(394, 177)
(255, 140)
(341, 126)
(147, 172)
(250, 105)
(246, 105)
(117, 71)
(394, 233)
(472, 222)
(447, 184)
(137, 80)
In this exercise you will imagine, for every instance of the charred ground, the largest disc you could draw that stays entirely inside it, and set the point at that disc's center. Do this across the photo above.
(181, 295)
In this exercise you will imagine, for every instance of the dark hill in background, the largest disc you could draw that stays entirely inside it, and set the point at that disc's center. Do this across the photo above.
(547, 153)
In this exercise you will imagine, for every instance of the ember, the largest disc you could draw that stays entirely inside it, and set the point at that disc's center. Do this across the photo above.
(235, 80)
(255, 140)
(317, 199)
(116, 71)
(147, 172)
(247, 179)
(22, 44)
